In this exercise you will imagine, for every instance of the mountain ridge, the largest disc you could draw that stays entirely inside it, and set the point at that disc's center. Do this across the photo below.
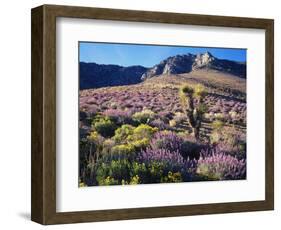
(93, 75)
(189, 62)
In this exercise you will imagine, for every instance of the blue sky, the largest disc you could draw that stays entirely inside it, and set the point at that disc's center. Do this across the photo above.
(146, 55)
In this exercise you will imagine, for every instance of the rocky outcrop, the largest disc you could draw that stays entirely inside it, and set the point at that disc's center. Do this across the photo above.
(203, 61)
(189, 62)
(172, 65)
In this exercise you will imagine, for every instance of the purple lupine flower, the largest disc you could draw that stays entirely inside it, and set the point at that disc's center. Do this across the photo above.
(161, 155)
(167, 140)
(187, 146)
(217, 165)
(172, 160)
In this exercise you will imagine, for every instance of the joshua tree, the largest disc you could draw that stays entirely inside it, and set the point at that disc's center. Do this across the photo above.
(191, 99)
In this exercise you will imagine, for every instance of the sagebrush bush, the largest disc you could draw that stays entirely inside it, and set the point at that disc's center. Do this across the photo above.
(105, 127)
(230, 140)
(155, 171)
(172, 178)
(108, 144)
(117, 170)
(122, 133)
(135, 180)
(139, 169)
(135, 136)
(142, 131)
(108, 181)
(118, 116)
(144, 116)
(123, 151)
(96, 138)
(140, 144)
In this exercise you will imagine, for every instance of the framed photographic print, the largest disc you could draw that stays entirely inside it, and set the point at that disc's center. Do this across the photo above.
(141, 114)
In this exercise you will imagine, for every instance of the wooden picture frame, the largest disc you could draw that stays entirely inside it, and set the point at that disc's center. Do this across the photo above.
(43, 208)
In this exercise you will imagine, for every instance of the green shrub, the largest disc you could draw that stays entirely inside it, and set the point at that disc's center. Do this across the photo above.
(102, 171)
(140, 170)
(135, 180)
(172, 177)
(108, 181)
(217, 124)
(131, 140)
(97, 118)
(105, 127)
(96, 138)
(142, 131)
(123, 151)
(138, 137)
(108, 144)
(116, 170)
(227, 135)
(122, 133)
(144, 116)
(140, 144)
(156, 171)
(119, 169)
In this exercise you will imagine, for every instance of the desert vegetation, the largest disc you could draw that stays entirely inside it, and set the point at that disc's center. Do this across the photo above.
(170, 128)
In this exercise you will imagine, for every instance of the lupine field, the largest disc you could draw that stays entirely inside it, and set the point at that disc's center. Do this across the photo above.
(170, 128)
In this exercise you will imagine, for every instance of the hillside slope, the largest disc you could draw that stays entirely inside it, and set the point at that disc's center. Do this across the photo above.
(226, 98)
